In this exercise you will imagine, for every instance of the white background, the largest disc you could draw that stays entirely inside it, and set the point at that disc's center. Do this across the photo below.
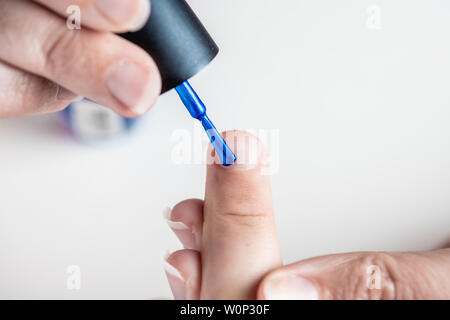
(364, 150)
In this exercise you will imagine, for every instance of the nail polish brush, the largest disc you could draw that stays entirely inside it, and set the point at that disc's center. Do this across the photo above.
(180, 45)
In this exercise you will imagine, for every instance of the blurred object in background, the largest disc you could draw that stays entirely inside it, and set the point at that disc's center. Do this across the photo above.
(92, 123)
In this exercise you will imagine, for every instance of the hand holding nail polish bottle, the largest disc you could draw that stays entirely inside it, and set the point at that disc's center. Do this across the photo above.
(178, 43)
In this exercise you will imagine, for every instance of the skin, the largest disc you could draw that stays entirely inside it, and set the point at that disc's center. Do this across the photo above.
(231, 251)
(44, 65)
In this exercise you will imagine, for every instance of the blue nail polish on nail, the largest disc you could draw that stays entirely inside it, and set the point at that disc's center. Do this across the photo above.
(197, 110)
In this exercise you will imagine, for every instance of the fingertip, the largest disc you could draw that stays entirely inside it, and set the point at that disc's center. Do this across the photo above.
(134, 85)
(260, 291)
(243, 188)
(173, 224)
(250, 152)
(183, 270)
(188, 211)
(151, 92)
(186, 261)
(141, 16)
(283, 285)
(124, 16)
(186, 221)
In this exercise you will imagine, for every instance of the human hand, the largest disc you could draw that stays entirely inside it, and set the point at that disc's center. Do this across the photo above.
(44, 65)
(231, 249)
(230, 237)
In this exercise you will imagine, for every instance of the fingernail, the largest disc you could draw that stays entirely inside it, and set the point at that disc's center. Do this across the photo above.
(249, 151)
(187, 237)
(66, 95)
(176, 225)
(290, 288)
(176, 281)
(118, 11)
(142, 16)
(129, 84)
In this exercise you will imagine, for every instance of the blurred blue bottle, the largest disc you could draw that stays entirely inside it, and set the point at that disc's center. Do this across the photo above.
(92, 123)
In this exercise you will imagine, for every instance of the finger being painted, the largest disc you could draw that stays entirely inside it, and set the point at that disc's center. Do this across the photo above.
(240, 243)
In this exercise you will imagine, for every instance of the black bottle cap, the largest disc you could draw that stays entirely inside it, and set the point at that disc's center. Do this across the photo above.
(176, 40)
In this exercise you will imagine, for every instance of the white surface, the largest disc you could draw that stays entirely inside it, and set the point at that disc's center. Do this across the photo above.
(364, 149)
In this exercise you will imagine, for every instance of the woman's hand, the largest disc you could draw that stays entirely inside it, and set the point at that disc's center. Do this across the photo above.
(232, 249)
(44, 64)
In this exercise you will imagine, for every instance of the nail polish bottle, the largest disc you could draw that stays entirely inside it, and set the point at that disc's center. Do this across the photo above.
(178, 43)
(176, 40)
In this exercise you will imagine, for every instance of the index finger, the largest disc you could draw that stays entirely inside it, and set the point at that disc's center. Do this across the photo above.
(240, 243)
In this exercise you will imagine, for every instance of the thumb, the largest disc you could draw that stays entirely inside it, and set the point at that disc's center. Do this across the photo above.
(365, 275)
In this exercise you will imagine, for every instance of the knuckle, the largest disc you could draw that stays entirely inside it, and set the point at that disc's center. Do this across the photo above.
(245, 219)
(59, 53)
(376, 280)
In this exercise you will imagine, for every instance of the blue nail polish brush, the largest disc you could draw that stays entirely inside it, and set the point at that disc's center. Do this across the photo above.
(197, 109)
(181, 46)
